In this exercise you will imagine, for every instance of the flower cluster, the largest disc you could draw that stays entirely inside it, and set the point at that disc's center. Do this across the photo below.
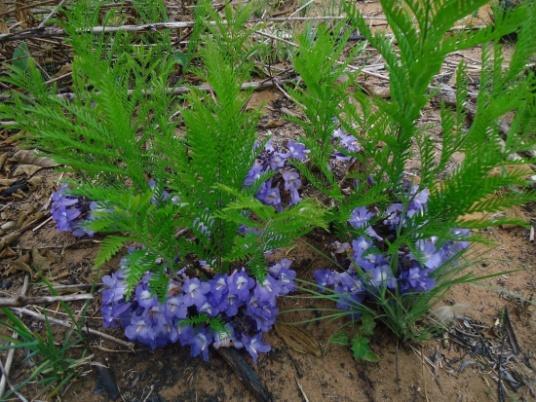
(371, 268)
(70, 212)
(244, 308)
(283, 187)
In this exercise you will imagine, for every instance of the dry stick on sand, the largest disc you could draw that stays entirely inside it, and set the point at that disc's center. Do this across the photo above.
(11, 352)
(44, 32)
(21, 300)
(68, 324)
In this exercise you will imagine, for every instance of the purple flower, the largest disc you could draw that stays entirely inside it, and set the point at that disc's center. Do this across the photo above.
(208, 309)
(419, 201)
(115, 288)
(200, 344)
(140, 330)
(278, 160)
(284, 275)
(393, 213)
(381, 276)
(254, 174)
(218, 288)
(416, 279)
(144, 297)
(297, 150)
(262, 311)
(269, 195)
(185, 333)
(360, 218)
(324, 278)
(70, 212)
(176, 307)
(236, 299)
(166, 331)
(194, 292)
(255, 345)
(284, 179)
(432, 258)
(349, 301)
(230, 304)
(268, 290)
(346, 282)
(347, 141)
(292, 184)
(114, 314)
(239, 284)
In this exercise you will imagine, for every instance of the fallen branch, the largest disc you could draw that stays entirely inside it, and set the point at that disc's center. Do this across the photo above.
(245, 373)
(21, 300)
(46, 32)
(67, 324)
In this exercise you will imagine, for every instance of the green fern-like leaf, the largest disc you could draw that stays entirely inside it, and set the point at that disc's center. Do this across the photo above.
(110, 247)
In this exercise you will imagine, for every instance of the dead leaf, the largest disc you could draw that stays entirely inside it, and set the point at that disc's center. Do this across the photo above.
(262, 98)
(9, 238)
(298, 340)
(28, 157)
(21, 265)
(65, 69)
(7, 182)
(24, 15)
(8, 252)
(13, 138)
(3, 25)
(476, 216)
(35, 181)
(39, 263)
(3, 159)
(27, 170)
(377, 91)
(272, 123)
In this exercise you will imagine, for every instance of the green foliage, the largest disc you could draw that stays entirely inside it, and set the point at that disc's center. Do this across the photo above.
(469, 169)
(53, 362)
(164, 185)
(323, 99)
(361, 340)
(267, 229)
(423, 46)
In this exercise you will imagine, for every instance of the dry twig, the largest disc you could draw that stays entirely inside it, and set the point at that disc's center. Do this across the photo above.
(21, 300)
(67, 324)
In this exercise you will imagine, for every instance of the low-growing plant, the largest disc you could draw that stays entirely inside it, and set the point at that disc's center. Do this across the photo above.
(53, 364)
(196, 270)
(403, 230)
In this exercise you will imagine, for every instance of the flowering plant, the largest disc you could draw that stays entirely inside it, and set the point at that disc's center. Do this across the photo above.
(401, 243)
(184, 201)
(227, 310)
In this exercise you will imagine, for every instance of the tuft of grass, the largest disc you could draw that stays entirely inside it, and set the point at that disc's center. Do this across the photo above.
(53, 363)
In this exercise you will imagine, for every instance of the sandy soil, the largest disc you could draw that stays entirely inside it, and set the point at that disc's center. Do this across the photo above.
(302, 366)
